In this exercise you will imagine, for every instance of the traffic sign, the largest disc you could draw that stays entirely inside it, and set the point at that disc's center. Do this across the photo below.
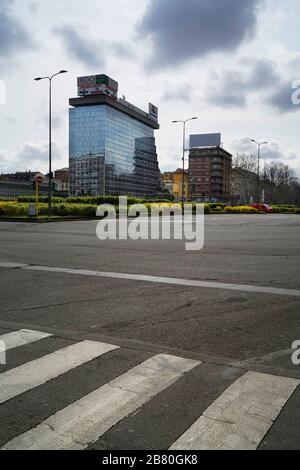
(39, 179)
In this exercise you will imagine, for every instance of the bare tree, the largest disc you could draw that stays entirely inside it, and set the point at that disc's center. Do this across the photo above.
(245, 162)
(282, 183)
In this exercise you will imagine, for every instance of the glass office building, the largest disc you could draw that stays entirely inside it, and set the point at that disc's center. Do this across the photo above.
(112, 149)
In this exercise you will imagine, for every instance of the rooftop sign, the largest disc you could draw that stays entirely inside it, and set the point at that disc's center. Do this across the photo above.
(205, 140)
(97, 85)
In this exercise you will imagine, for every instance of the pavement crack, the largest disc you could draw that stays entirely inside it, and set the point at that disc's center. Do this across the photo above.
(224, 421)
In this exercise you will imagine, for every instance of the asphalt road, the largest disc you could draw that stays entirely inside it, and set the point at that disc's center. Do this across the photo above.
(212, 312)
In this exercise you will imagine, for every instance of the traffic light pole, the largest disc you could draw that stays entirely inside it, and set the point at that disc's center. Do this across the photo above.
(37, 197)
(50, 151)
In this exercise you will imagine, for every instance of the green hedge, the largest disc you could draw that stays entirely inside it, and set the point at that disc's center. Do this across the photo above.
(240, 210)
(42, 199)
(283, 209)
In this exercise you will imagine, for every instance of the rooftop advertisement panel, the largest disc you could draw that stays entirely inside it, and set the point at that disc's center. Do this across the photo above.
(97, 85)
(205, 140)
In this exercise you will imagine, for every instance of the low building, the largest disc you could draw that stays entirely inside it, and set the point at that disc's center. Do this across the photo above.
(243, 186)
(61, 178)
(13, 185)
(210, 174)
(172, 181)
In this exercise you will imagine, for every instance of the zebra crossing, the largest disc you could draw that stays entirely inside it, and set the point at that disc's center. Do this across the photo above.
(239, 418)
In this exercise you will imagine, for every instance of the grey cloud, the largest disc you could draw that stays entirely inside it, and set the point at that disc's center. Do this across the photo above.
(121, 49)
(89, 52)
(33, 156)
(184, 30)
(230, 100)
(80, 48)
(263, 75)
(183, 92)
(281, 99)
(271, 151)
(232, 88)
(13, 36)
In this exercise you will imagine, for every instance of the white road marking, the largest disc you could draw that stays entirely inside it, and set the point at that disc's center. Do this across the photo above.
(12, 265)
(172, 281)
(163, 280)
(22, 337)
(37, 372)
(240, 418)
(90, 417)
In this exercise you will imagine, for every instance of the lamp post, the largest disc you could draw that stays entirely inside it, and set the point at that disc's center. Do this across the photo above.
(183, 155)
(259, 145)
(50, 137)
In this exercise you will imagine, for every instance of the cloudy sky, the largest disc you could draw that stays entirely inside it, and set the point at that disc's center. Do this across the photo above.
(230, 62)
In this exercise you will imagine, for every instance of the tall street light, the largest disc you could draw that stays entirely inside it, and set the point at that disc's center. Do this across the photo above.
(183, 156)
(259, 145)
(50, 137)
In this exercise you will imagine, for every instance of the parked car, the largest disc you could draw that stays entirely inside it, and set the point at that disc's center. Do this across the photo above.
(263, 208)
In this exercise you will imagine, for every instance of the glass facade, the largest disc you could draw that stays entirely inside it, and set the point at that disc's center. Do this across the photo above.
(111, 153)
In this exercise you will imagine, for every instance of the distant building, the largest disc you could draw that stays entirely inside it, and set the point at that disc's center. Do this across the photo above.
(112, 143)
(210, 174)
(172, 181)
(13, 185)
(20, 176)
(243, 186)
(61, 178)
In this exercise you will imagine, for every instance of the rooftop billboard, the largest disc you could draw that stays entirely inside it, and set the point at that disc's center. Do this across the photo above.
(153, 112)
(97, 85)
(205, 140)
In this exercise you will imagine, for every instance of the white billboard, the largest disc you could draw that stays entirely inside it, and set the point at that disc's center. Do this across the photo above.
(97, 85)
(205, 140)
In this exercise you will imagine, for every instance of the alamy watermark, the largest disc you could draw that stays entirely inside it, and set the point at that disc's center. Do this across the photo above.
(296, 92)
(2, 353)
(296, 353)
(161, 223)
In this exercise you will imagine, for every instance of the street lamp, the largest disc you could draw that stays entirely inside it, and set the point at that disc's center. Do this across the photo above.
(50, 137)
(259, 145)
(183, 166)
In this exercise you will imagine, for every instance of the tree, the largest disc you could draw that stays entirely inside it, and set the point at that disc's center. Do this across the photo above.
(244, 162)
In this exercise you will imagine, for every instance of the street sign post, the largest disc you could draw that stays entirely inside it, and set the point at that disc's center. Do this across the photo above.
(38, 181)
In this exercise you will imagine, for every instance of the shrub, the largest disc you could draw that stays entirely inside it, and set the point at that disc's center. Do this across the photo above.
(283, 209)
(240, 210)
(98, 200)
(42, 199)
(218, 209)
(13, 209)
(297, 210)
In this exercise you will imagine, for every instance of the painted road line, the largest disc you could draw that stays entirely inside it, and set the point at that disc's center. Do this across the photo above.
(8, 265)
(22, 337)
(37, 372)
(240, 418)
(170, 280)
(166, 280)
(90, 417)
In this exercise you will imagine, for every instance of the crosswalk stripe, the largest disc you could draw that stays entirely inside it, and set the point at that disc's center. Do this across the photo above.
(37, 372)
(22, 337)
(87, 419)
(240, 418)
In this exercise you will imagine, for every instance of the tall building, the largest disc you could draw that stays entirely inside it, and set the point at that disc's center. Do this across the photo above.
(210, 174)
(112, 143)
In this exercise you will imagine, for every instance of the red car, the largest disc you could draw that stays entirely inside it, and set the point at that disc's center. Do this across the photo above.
(262, 208)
